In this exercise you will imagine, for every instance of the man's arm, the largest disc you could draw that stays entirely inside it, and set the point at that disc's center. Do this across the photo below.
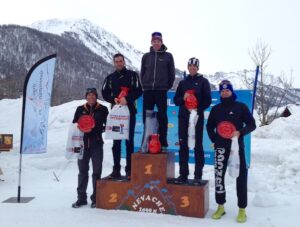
(107, 91)
(171, 74)
(136, 90)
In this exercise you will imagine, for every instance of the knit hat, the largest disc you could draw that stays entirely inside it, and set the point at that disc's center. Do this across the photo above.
(194, 61)
(156, 35)
(225, 84)
(91, 90)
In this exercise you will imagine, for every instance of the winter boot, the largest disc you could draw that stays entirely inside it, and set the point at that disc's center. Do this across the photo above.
(181, 180)
(219, 212)
(242, 217)
(79, 203)
(116, 174)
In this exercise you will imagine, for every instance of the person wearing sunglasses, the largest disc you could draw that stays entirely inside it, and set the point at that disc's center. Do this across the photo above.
(157, 77)
(122, 87)
(93, 127)
(226, 120)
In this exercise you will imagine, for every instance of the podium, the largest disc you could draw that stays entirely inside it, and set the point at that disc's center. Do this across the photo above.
(151, 189)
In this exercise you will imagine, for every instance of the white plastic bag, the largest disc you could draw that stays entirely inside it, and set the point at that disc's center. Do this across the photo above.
(192, 129)
(75, 146)
(117, 124)
(151, 127)
(234, 159)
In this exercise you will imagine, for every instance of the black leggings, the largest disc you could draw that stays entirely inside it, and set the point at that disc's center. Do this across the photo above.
(221, 159)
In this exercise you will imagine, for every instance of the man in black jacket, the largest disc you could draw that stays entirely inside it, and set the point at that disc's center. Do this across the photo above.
(201, 87)
(93, 146)
(111, 89)
(226, 120)
(157, 77)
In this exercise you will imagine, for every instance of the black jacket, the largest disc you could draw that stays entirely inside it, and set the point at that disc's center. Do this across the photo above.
(203, 94)
(234, 112)
(158, 70)
(124, 78)
(99, 112)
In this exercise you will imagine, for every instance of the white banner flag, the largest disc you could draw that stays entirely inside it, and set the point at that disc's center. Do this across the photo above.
(36, 104)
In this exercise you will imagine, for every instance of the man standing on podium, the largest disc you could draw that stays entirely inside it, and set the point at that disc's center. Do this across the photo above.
(157, 76)
(197, 87)
(111, 89)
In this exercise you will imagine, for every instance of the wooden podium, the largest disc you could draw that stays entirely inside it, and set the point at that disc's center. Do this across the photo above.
(151, 189)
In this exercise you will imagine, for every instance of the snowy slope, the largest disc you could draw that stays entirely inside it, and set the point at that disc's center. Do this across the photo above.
(274, 180)
(94, 37)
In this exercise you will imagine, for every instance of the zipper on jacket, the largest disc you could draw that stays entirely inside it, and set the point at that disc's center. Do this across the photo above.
(155, 60)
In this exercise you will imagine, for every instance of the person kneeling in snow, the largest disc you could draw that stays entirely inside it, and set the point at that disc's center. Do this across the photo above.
(227, 120)
(93, 146)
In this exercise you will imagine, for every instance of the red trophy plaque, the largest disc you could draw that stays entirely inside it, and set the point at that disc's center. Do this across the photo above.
(86, 123)
(191, 101)
(225, 129)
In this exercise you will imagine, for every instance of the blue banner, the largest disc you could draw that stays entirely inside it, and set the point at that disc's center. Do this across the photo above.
(36, 104)
(244, 96)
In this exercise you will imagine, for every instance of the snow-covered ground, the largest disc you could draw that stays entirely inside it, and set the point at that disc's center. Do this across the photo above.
(274, 180)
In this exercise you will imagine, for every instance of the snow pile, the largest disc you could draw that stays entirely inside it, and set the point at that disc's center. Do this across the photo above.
(276, 155)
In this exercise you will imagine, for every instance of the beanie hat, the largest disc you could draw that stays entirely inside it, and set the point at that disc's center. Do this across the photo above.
(194, 61)
(225, 84)
(91, 90)
(156, 35)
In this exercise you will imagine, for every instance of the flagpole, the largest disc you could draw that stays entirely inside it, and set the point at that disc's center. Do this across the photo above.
(254, 89)
(23, 116)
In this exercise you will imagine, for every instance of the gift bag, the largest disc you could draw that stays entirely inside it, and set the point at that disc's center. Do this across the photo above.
(150, 127)
(117, 124)
(75, 145)
(192, 129)
(234, 159)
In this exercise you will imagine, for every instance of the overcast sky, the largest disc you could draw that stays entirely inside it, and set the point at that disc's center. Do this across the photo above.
(218, 32)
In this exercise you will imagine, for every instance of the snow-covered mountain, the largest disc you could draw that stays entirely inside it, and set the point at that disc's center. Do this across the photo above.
(97, 39)
(85, 53)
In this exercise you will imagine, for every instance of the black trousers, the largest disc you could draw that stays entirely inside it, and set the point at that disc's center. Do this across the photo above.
(221, 159)
(158, 98)
(183, 124)
(96, 154)
(129, 148)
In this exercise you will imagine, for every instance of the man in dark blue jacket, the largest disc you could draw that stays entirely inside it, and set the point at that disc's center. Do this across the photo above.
(111, 89)
(226, 120)
(200, 86)
(157, 77)
(93, 146)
